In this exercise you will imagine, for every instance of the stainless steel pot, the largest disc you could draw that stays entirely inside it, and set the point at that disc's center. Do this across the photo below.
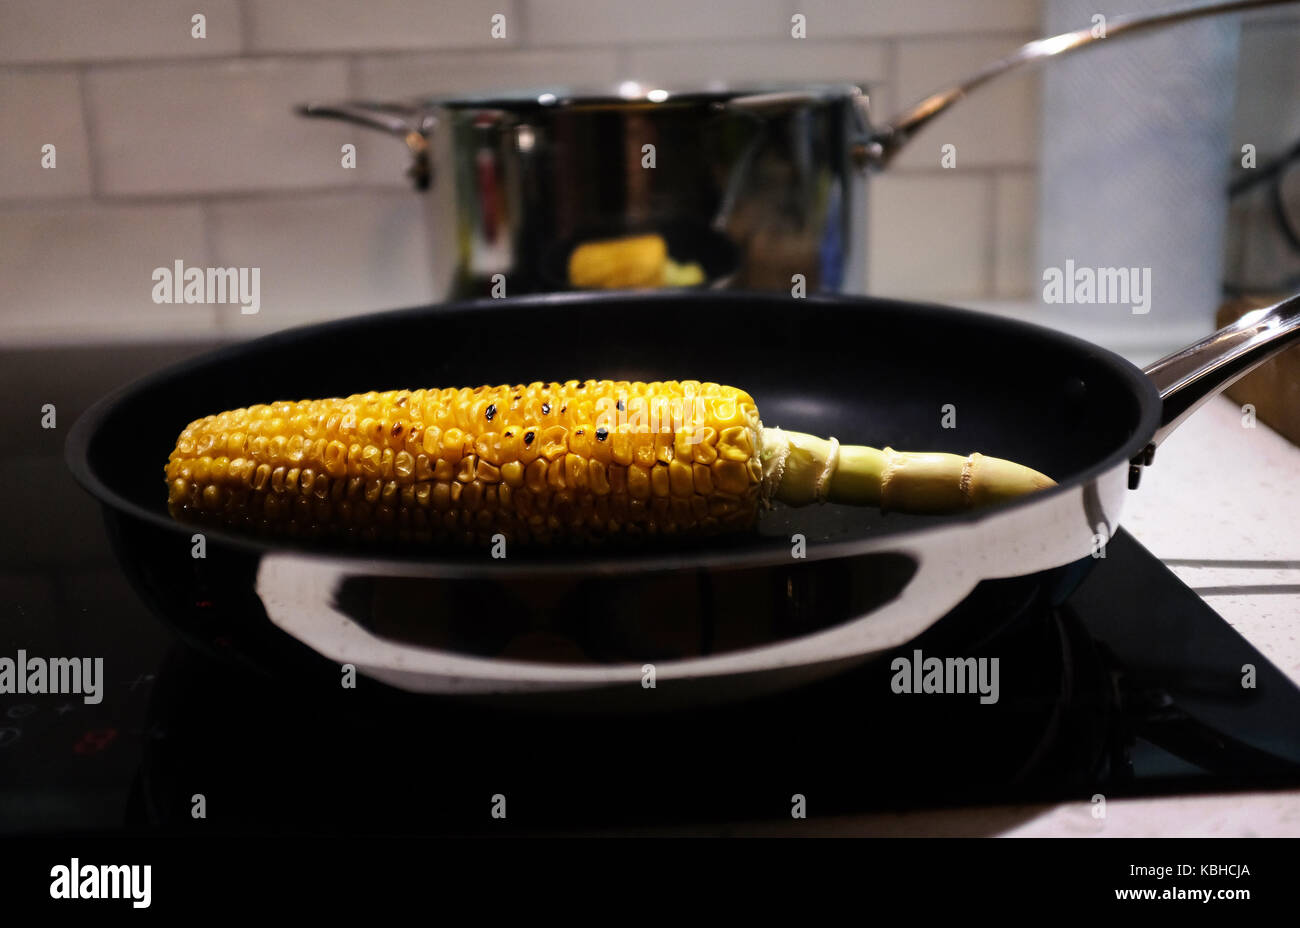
(757, 187)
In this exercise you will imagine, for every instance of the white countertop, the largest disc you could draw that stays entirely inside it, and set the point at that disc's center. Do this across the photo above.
(1216, 492)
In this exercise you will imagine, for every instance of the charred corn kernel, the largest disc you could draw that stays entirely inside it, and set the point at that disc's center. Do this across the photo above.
(540, 463)
(580, 440)
(634, 261)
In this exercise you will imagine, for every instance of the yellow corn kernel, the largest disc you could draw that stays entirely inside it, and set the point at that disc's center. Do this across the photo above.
(659, 480)
(513, 473)
(638, 482)
(736, 443)
(730, 476)
(680, 479)
(596, 477)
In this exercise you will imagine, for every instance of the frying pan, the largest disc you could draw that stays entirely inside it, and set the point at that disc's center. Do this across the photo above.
(706, 621)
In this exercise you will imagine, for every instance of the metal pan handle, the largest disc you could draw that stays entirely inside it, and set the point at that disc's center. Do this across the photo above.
(410, 122)
(1189, 377)
(881, 146)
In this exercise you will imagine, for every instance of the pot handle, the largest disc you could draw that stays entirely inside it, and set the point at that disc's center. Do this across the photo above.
(410, 122)
(879, 148)
(1189, 377)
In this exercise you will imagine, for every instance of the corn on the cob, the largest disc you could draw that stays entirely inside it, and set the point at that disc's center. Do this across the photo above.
(540, 462)
(634, 262)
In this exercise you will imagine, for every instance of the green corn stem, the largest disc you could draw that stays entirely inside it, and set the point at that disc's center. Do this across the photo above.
(800, 469)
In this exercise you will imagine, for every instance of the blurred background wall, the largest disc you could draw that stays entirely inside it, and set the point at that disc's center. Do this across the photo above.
(171, 147)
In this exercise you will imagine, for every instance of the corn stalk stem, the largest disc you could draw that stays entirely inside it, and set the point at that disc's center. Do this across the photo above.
(800, 469)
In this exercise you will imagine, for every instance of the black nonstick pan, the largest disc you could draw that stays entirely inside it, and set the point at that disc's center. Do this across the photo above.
(703, 621)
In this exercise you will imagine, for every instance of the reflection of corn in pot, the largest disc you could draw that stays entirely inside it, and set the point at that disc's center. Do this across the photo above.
(635, 262)
(542, 463)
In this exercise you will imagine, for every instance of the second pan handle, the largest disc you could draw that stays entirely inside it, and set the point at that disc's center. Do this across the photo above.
(882, 144)
(412, 123)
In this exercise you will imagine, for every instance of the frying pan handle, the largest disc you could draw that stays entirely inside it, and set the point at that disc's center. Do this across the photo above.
(1189, 377)
(410, 122)
(881, 146)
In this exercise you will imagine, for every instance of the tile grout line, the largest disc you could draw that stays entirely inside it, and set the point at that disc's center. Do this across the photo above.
(90, 127)
(519, 13)
(249, 54)
(245, 27)
(994, 249)
(207, 223)
(130, 200)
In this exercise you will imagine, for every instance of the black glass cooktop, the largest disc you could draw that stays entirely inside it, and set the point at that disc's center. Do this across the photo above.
(1132, 686)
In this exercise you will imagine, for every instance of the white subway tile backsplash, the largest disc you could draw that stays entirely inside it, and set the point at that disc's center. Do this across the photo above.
(928, 235)
(333, 25)
(586, 22)
(39, 108)
(836, 18)
(996, 125)
(173, 117)
(324, 256)
(760, 63)
(216, 126)
(446, 73)
(75, 30)
(81, 273)
(383, 159)
(1016, 206)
